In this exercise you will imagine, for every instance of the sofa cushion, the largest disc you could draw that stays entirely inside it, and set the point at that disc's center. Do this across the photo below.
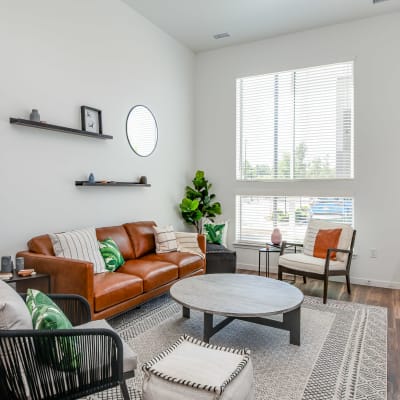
(111, 288)
(165, 239)
(303, 262)
(41, 245)
(187, 262)
(188, 242)
(111, 254)
(130, 357)
(14, 314)
(79, 245)
(142, 237)
(153, 272)
(120, 236)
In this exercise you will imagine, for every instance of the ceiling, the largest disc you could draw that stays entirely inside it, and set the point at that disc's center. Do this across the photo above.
(194, 22)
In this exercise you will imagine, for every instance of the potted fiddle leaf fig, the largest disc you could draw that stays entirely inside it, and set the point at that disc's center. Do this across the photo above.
(198, 202)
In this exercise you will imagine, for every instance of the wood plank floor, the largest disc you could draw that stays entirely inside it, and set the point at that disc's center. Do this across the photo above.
(389, 298)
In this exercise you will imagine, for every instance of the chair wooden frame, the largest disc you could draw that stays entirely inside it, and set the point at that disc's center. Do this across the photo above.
(327, 272)
(100, 365)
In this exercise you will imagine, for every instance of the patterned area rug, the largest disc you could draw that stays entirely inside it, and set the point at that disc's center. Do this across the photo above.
(342, 354)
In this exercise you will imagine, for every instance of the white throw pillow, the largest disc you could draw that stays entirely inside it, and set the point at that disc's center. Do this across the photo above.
(79, 245)
(14, 314)
(187, 242)
(165, 239)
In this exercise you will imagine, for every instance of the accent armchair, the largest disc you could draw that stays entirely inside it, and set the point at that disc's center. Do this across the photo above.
(31, 366)
(327, 251)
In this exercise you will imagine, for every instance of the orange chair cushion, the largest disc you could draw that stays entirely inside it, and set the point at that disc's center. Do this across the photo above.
(325, 239)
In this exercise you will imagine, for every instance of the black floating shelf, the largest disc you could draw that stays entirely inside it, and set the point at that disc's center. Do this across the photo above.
(51, 127)
(110, 183)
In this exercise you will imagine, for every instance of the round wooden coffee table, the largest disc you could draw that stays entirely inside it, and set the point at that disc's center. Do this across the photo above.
(238, 296)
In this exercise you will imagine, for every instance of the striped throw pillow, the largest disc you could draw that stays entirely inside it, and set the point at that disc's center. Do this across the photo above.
(79, 245)
(187, 242)
(165, 239)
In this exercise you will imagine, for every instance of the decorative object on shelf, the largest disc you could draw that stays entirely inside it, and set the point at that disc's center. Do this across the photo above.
(19, 263)
(276, 236)
(143, 179)
(141, 130)
(91, 178)
(91, 120)
(6, 264)
(58, 128)
(197, 204)
(110, 183)
(34, 115)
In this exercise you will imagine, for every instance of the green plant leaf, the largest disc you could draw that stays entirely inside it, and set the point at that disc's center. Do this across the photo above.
(198, 201)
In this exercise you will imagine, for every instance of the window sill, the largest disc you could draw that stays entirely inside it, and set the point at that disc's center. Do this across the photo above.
(248, 245)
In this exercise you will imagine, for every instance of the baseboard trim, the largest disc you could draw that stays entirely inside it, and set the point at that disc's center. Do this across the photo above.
(354, 279)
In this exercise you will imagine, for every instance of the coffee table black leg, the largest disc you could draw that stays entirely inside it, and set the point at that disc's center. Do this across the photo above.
(208, 327)
(185, 312)
(291, 320)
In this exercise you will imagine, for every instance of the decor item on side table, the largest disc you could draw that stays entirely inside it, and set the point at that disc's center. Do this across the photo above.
(19, 263)
(276, 236)
(198, 202)
(91, 120)
(6, 264)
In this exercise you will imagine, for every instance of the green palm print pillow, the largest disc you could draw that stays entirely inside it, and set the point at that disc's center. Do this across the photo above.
(214, 232)
(60, 351)
(111, 254)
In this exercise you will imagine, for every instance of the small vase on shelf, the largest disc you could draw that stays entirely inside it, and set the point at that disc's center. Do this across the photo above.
(34, 115)
(276, 236)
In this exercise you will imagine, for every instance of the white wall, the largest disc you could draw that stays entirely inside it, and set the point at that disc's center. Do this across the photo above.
(374, 45)
(58, 55)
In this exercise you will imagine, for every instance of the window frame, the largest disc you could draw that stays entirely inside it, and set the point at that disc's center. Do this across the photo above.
(239, 137)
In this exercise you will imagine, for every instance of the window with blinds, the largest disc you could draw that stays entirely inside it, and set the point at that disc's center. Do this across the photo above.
(296, 124)
(257, 216)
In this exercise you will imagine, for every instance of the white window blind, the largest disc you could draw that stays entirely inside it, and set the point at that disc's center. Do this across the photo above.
(257, 216)
(295, 124)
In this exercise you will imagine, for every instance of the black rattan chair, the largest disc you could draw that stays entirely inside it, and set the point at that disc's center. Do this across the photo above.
(31, 367)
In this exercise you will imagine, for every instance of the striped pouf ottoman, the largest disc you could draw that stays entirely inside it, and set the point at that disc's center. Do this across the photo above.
(195, 370)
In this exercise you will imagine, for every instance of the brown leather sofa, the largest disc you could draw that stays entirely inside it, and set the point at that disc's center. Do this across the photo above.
(144, 275)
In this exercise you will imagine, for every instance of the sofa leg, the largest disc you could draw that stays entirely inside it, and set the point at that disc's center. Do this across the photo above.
(348, 283)
(124, 390)
(325, 289)
(279, 273)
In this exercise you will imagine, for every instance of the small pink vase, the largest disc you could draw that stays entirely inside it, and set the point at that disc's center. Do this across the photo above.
(276, 236)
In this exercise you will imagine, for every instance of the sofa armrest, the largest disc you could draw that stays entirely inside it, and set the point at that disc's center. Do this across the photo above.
(201, 240)
(66, 275)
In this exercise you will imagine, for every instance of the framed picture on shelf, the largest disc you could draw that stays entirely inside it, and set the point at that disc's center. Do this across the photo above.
(91, 120)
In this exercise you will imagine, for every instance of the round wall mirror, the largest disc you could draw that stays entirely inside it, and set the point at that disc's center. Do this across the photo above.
(141, 130)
